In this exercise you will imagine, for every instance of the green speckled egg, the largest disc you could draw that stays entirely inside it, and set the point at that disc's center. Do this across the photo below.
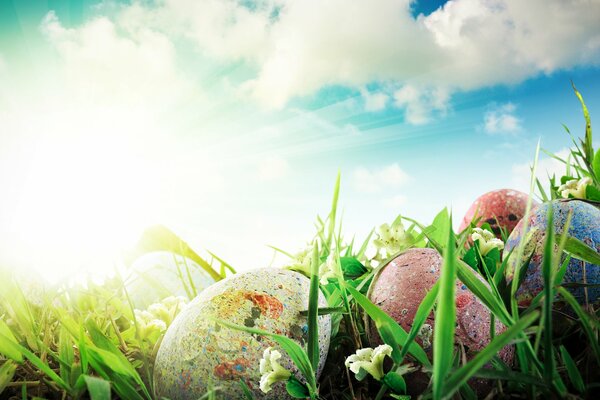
(197, 354)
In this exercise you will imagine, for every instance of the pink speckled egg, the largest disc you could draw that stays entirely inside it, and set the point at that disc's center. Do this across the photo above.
(499, 208)
(400, 286)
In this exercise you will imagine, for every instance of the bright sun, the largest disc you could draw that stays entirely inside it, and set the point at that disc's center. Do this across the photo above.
(82, 196)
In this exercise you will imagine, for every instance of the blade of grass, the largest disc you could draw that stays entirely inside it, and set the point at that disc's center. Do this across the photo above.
(7, 372)
(332, 213)
(420, 317)
(313, 305)
(512, 376)
(581, 251)
(572, 370)
(5, 347)
(584, 320)
(445, 318)
(547, 266)
(463, 374)
(98, 388)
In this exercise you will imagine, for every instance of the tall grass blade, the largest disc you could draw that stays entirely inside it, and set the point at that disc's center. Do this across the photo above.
(587, 142)
(445, 318)
(332, 213)
(313, 306)
(547, 275)
(572, 370)
(440, 226)
(463, 374)
(5, 345)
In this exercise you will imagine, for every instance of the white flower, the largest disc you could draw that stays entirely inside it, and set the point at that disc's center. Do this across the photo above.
(575, 188)
(167, 309)
(487, 240)
(149, 327)
(302, 262)
(392, 239)
(271, 370)
(369, 360)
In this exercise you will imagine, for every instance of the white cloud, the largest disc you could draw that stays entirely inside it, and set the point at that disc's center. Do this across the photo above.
(419, 103)
(501, 119)
(373, 181)
(374, 101)
(104, 62)
(546, 167)
(465, 45)
(272, 168)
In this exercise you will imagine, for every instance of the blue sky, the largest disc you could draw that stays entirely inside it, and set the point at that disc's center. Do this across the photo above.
(228, 121)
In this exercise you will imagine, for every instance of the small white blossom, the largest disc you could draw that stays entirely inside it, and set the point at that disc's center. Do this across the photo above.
(271, 370)
(392, 239)
(487, 240)
(369, 360)
(302, 261)
(167, 309)
(149, 327)
(575, 188)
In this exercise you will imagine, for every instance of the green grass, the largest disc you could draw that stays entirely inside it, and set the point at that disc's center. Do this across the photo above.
(87, 341)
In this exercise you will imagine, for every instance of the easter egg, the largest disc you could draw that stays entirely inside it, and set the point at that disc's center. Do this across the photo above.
(197, 353)
(158, 275)
(502, 208)
(399, 288)
(585, 226)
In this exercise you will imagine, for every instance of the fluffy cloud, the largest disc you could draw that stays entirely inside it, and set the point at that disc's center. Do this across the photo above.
(419, 103)
(373, 181)
(501, 119)
(465, 45)
(104, 62)
(374, 101)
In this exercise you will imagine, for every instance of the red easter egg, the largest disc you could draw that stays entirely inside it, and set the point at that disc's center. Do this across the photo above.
(499, 208)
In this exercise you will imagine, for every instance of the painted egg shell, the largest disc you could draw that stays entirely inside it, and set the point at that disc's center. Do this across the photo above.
(499, 208)
(399, 288)
(197, 354)
(158, 275)
(585, 226)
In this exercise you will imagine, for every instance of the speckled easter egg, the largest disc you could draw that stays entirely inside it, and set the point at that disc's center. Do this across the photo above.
(399, 288)
(585, 226)
(158, 275)
(499, 208)
(196, 353)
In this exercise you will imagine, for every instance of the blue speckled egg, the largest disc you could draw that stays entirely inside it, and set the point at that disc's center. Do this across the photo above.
(585, 226)
(197, 354)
